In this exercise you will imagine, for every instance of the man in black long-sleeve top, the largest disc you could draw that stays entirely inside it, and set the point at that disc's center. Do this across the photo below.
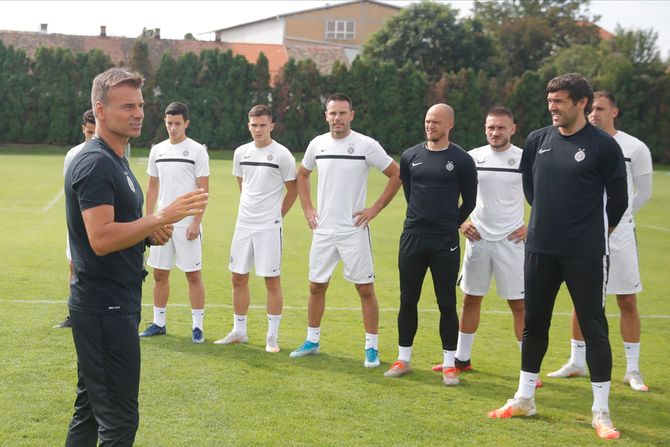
(434, 175)
(574, 178)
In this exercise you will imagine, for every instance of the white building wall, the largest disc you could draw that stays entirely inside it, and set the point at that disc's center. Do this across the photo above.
(267, 31)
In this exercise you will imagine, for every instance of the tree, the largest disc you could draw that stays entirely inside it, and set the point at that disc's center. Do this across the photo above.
(297, 104)
(261, 84)
(528, 31)
(433, 39)
(15, 85)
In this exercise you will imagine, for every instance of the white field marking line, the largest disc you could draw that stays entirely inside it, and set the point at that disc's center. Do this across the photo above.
(652, 227)
(345, 309)
(53, 202)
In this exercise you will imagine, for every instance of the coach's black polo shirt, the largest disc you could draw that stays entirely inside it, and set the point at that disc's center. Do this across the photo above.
(110, 283)
(565, 179)
(432, 182)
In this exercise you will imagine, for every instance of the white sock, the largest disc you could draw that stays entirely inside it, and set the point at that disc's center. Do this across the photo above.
(240, 324)
(448, 359)
(520, 344)
(371, 341)
(405, 353)
(273, 325)
(464, 347)
(577, 352)
(526, 384)
(313, 334)
(601, 394)
(198, 315)
(632, 351)
(159, 316)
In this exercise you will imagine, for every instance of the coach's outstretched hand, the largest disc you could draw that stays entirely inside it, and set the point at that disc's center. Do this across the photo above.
(162, 235)
(190, 204)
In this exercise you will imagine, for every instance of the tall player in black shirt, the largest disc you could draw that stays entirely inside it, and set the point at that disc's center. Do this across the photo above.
(107, 235)
(575, 181)
(434, 175)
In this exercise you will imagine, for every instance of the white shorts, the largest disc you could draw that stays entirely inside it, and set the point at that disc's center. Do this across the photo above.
(185, 254)
(483, 259)
(353, 248)
(624, 272)
(259, 248)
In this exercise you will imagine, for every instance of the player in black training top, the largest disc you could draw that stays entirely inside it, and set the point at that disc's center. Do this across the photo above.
(107, 236)
(434, 175)
(575, 181)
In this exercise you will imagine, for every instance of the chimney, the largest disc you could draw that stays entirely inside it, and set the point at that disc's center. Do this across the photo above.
(157, 33)
(103, 31)
(43, 28)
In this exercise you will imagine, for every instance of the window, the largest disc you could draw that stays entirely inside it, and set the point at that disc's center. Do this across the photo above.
(340, 29)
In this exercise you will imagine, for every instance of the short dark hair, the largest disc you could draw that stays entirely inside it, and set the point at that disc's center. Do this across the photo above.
(177, 108)
(340, 97)
(606, 94)
(88, 117)
(500, 111)
(577, 87)
(261, 110)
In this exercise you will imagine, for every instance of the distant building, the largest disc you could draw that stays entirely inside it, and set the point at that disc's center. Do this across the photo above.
(326, 35)
(345, 25)
(119, 48)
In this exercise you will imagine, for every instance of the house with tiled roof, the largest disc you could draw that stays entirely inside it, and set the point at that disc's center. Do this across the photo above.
(341, 27)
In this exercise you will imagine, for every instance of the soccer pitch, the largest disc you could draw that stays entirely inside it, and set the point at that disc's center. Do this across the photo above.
(209, 395)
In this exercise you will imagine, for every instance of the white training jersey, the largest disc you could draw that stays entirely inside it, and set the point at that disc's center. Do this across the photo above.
(177, 166)
(638, 162)
(343, 177)
(263, 171)
(71, 154)
(500, 199)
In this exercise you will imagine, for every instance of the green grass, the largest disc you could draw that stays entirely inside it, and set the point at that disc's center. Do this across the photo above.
(210, 395)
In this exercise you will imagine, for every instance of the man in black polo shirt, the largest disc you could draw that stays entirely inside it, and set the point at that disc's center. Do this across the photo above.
(574, 178)
(107, 239)
(434, 175)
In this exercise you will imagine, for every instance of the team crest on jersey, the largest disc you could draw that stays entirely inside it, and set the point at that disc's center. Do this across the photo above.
(450, 165)
(580, 155)
(270, 157)
(185, 153)
(511, 162)
(130, 183)
(351, 149)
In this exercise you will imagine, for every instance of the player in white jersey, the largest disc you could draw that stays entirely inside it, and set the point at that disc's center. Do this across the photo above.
(176, 166)
(340, 224)
(494, 233)
(264, 168)
(624, 271)
(88, 129)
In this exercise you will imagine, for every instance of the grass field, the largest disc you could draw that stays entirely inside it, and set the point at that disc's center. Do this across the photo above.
(208, 395)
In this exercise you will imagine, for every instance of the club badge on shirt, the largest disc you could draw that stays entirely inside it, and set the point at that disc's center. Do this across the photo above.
(270, 157)
(351, 148)
(130, 183)
(450, 165)
(580, 155)
(185, 153)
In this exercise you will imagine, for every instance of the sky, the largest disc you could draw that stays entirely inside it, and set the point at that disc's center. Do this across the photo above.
(176, 18)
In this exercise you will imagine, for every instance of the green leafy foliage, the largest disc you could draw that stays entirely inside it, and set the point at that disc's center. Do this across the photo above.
(430, 36)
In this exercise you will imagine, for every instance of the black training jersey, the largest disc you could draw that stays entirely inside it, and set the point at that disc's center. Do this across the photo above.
(433, 181)
(110, 283)
(565, 180)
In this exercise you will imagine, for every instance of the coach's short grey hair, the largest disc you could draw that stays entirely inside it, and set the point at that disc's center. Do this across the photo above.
(112, 78)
